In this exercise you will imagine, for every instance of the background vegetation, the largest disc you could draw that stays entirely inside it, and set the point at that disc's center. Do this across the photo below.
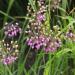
(31, 62)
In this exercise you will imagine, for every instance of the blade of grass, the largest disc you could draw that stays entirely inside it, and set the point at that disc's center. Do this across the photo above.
(62, 52)
(8, 10)
(5, 14)
(47, 70)
(32, 5)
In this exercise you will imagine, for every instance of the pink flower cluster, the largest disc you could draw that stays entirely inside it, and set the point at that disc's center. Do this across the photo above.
(38, 39)
(52, 45)
(46, 43)
(8, 51)
(70, 35)
(12, 30)
(40, 17)
(8, 60)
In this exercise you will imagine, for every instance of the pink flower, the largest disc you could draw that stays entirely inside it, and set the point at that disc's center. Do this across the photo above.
(40, 17)
(12, 30)
(9, 60)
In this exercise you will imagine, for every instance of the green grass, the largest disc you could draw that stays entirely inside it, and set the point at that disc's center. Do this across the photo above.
(56, 63)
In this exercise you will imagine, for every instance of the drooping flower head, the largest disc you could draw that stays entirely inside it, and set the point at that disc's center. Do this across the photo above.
(52, 45)
(12, 30)
(37, 42)
(8, 60)
(70, 35)
(39, 30)
(8, 52)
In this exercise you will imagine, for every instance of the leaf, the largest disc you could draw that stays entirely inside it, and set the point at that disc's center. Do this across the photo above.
(47, 70)
(5, 14)
(62, 52)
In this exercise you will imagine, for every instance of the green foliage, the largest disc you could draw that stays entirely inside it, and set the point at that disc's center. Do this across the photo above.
(57, 62)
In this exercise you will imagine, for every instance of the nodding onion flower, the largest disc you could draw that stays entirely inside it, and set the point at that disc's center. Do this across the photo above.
(70, 35)
(8, 52)
(39, 30)
(12, 29)
(46, 43)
